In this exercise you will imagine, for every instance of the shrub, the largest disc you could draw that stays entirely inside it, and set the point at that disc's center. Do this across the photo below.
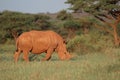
(64, 15)
(90, 43)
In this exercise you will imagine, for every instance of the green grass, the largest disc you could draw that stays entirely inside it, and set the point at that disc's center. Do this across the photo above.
(94, 66)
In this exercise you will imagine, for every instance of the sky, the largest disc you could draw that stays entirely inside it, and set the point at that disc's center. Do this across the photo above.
(33, 6)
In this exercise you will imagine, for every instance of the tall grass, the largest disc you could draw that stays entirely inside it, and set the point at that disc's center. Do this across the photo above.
(97, 66)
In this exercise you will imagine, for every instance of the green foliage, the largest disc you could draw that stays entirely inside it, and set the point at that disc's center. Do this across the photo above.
(72, 24)
(103, 10)
(89, 43)
(21, 22)
(74, 44)
(93, 6)
(64, 15)
(82, 45)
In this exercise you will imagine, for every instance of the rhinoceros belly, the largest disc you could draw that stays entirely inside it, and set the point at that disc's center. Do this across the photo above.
(39, 47)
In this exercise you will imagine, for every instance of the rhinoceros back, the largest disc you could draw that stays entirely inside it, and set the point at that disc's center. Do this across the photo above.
(39, 41)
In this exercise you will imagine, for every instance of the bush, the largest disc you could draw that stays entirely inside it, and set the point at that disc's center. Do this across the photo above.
(73, 24)
(64, 15)
(90, 43)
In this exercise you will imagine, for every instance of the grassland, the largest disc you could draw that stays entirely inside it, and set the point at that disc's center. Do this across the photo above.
(93, 66)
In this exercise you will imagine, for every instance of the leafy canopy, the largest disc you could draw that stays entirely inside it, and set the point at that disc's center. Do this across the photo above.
(94, 7)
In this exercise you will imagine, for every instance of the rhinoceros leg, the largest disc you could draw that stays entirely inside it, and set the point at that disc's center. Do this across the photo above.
(25, 56)
(48, 54)
(16, 55)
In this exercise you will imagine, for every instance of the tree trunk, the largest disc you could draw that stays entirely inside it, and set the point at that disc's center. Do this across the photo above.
(115, 34)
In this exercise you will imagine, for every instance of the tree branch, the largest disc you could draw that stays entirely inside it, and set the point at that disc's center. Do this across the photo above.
(104, 21)
(106, 16)
(103, 28)
(117, 21)
(99, 18)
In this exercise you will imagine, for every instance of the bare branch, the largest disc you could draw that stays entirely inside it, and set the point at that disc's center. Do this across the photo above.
(104, 21)
(100, 18)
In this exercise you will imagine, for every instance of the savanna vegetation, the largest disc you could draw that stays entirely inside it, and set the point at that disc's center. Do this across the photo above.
(91, 32)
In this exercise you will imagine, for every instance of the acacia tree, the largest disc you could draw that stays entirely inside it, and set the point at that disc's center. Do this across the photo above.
(107, 11)
(11, 22)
